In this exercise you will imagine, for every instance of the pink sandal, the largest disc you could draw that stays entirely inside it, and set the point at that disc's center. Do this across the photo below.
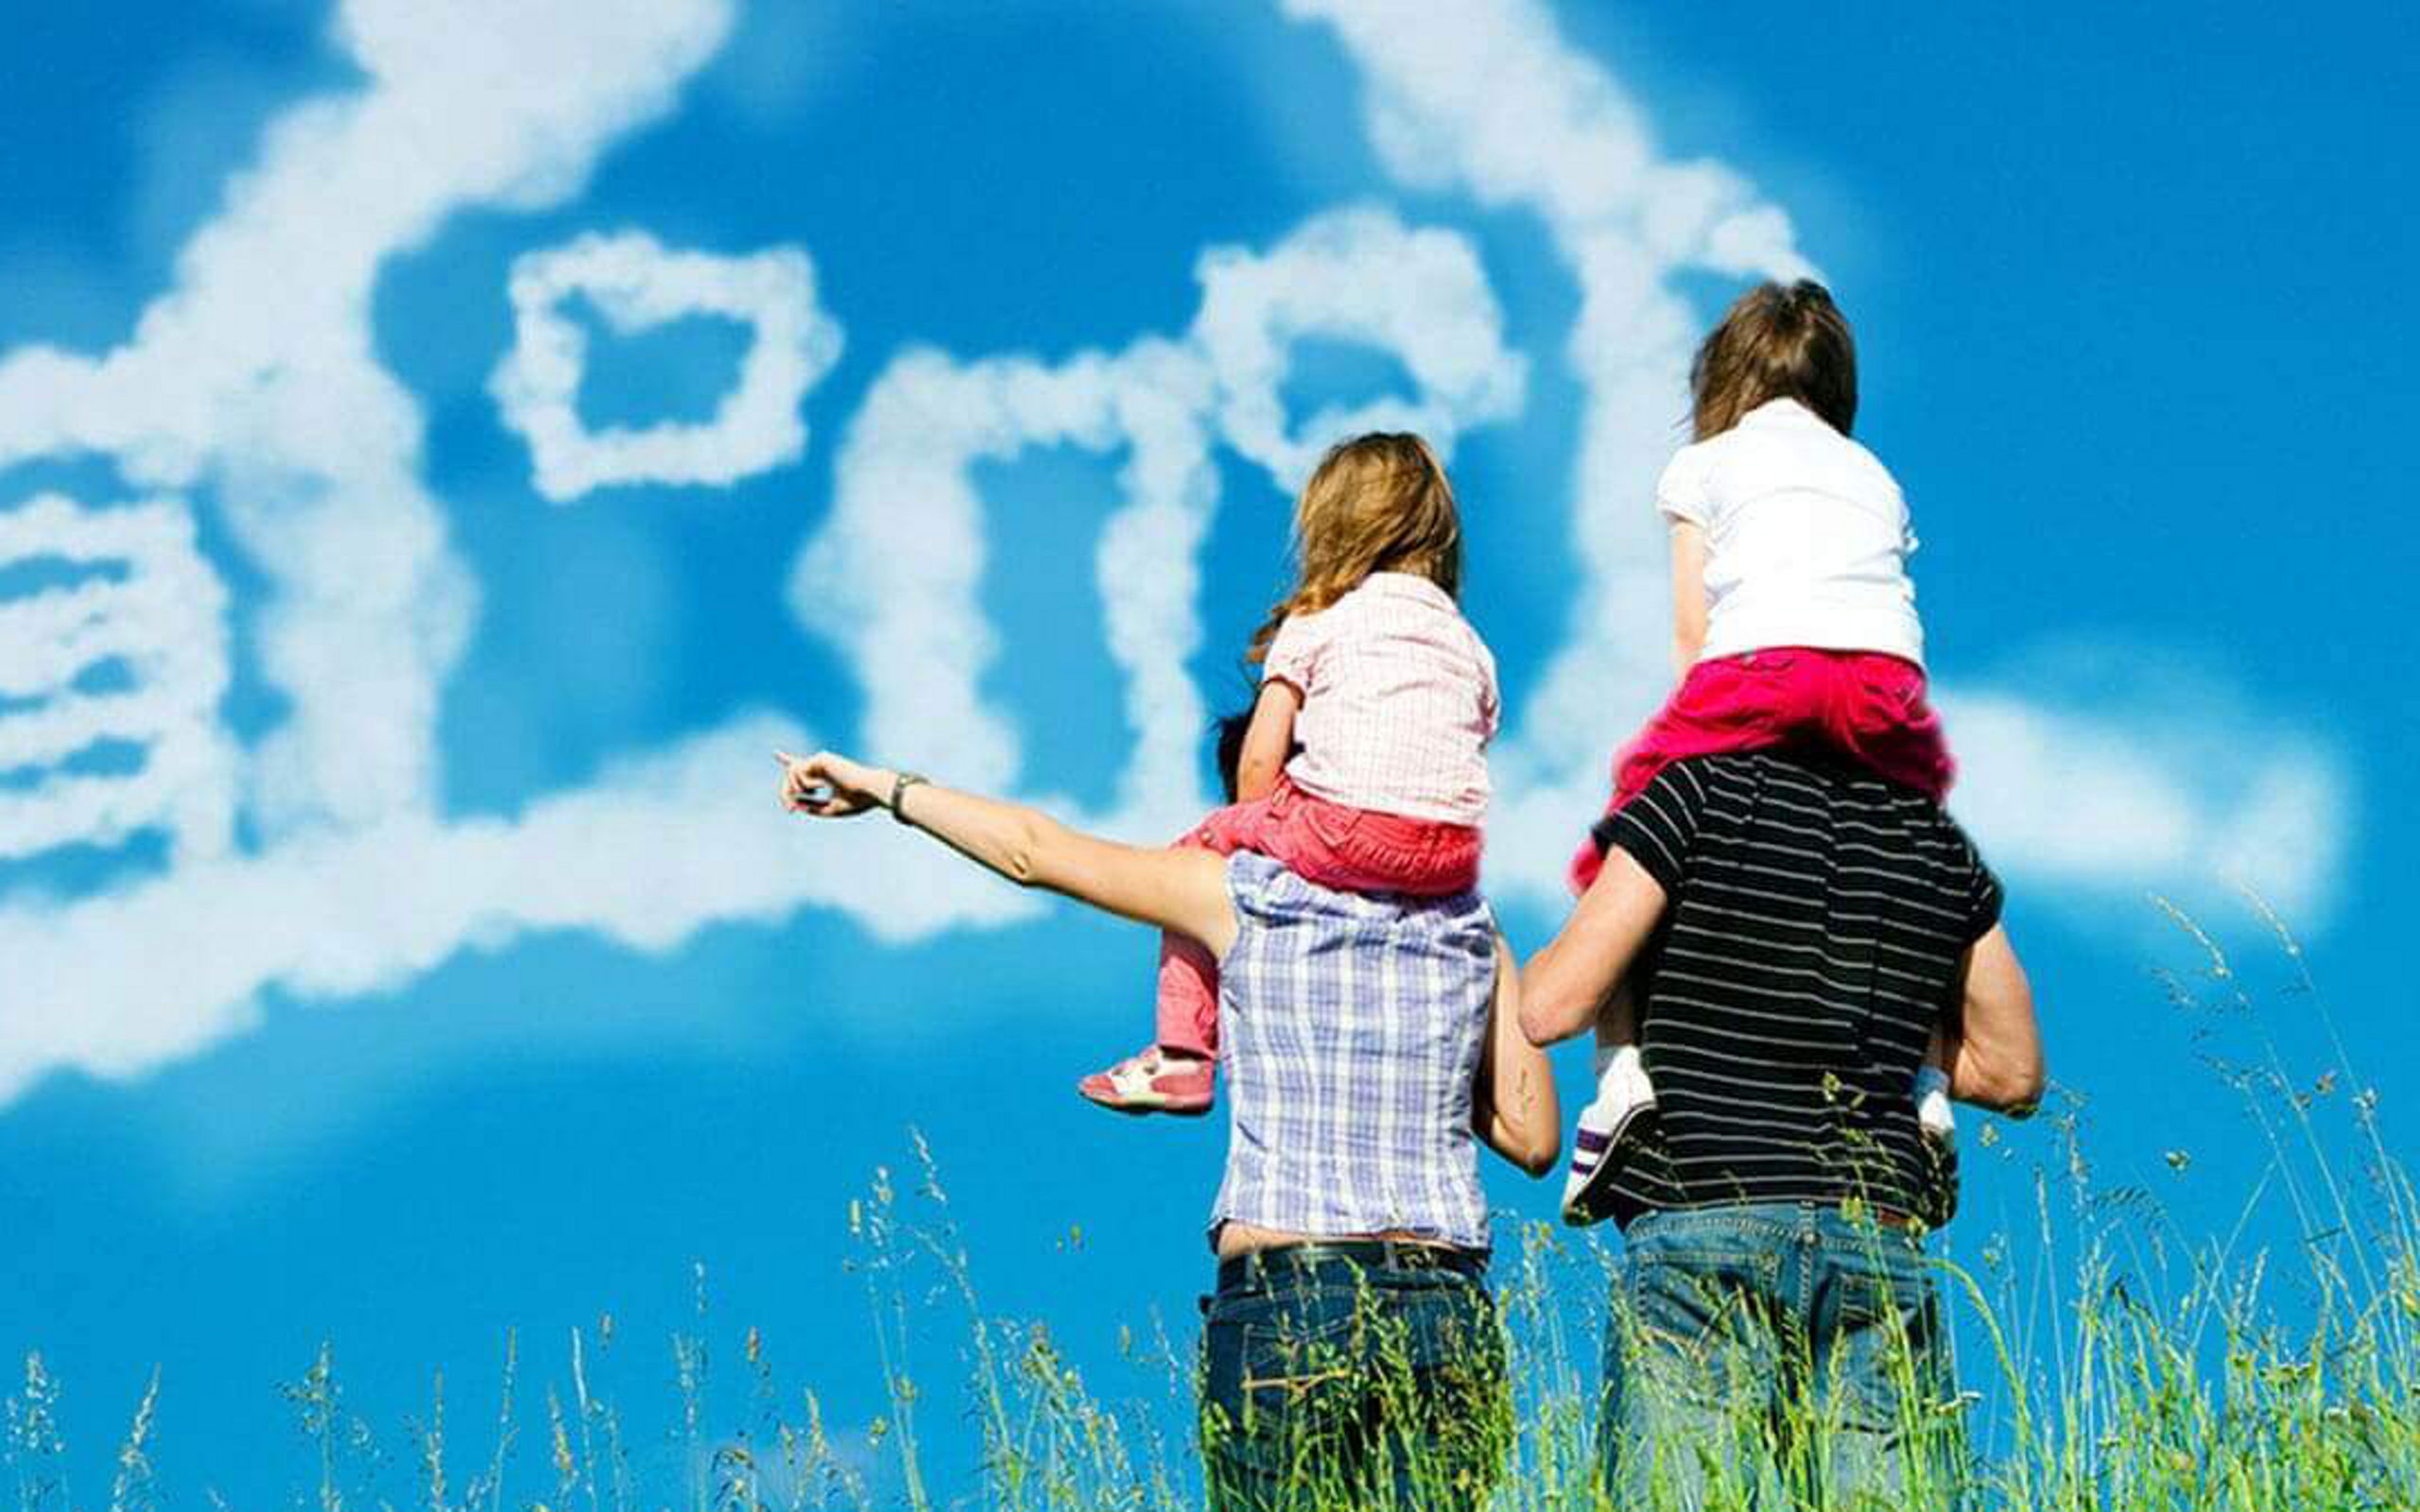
(1153, 1082)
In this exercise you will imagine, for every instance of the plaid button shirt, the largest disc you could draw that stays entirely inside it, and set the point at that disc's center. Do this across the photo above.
(1351, 1039)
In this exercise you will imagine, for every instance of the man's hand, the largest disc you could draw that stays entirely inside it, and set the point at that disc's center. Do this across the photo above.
(831, 787)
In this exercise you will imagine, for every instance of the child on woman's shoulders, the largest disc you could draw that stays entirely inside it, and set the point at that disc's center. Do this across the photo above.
(1364, 766)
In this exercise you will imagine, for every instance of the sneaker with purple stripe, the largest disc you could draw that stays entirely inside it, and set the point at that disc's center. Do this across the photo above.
(1625, 1101)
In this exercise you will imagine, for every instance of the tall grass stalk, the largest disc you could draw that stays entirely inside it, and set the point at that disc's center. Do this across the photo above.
(131, 1490)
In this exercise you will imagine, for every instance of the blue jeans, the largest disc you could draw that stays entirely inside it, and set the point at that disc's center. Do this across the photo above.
(1776, 1355)
(1363, 1375)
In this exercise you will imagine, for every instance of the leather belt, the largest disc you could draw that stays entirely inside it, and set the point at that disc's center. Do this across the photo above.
(1282, 1261)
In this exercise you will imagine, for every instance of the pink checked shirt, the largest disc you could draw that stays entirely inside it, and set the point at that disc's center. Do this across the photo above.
(1398, 702)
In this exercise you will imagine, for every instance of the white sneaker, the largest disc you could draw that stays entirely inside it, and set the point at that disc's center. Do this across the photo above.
(1625, 1099)
(1934, 1114)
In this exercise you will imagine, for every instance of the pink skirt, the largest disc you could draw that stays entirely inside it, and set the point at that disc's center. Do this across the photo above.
(1865, 705)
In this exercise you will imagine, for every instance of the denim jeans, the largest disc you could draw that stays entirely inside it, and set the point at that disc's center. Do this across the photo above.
(1776, 1355)
(1349, 1381)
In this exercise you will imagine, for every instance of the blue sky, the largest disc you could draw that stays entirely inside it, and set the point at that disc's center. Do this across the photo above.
(426, 958)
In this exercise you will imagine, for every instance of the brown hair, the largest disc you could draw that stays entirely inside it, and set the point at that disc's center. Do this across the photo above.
(1775, 342)
(1377, 503)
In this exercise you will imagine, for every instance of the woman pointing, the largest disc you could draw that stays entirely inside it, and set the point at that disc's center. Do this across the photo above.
(1371, 1045)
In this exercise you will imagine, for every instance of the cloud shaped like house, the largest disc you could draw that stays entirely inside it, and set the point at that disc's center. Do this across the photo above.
(635, 284)
(351, 878)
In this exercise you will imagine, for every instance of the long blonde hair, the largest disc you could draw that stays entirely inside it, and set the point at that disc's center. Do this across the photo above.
(1377, 503)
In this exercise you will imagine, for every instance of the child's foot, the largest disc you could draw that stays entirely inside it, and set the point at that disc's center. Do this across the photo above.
(1624, 1104)
(1153, 1082)
(1932, 1107)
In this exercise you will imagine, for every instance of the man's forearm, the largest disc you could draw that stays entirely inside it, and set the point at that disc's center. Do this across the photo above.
(1563, 983)
(1560, 990)
(1998, 1040)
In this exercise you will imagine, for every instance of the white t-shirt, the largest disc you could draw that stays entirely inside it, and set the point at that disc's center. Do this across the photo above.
(1398, 702)
(1807, 538)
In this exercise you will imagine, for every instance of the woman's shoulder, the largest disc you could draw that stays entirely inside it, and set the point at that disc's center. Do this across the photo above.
(1262, 886)
(1268, 892)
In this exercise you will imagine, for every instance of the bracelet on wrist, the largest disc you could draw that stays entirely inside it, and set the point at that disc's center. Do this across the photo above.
(900, 783)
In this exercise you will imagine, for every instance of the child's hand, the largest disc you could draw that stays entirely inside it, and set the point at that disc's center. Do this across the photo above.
(830, 786)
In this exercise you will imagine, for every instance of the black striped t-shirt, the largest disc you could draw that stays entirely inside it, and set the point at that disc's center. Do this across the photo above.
(1815, 920)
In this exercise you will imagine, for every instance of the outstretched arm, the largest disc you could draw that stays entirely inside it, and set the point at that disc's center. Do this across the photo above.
(1513, 1106)
(1184, 890)
(1996, 1041)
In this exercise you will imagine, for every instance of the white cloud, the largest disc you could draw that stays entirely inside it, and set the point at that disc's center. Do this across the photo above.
(1354, 275)
(635, 284)
(2102, 805)
(147, 606)
(894, 577)
(656, 849)
(256, 374)
(255, 378)
(253, 384)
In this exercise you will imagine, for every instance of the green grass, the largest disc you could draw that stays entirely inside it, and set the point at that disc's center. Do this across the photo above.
(2112, 1362)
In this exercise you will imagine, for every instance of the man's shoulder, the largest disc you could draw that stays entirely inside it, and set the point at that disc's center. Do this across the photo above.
(1808, 825)
(1797, 784)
